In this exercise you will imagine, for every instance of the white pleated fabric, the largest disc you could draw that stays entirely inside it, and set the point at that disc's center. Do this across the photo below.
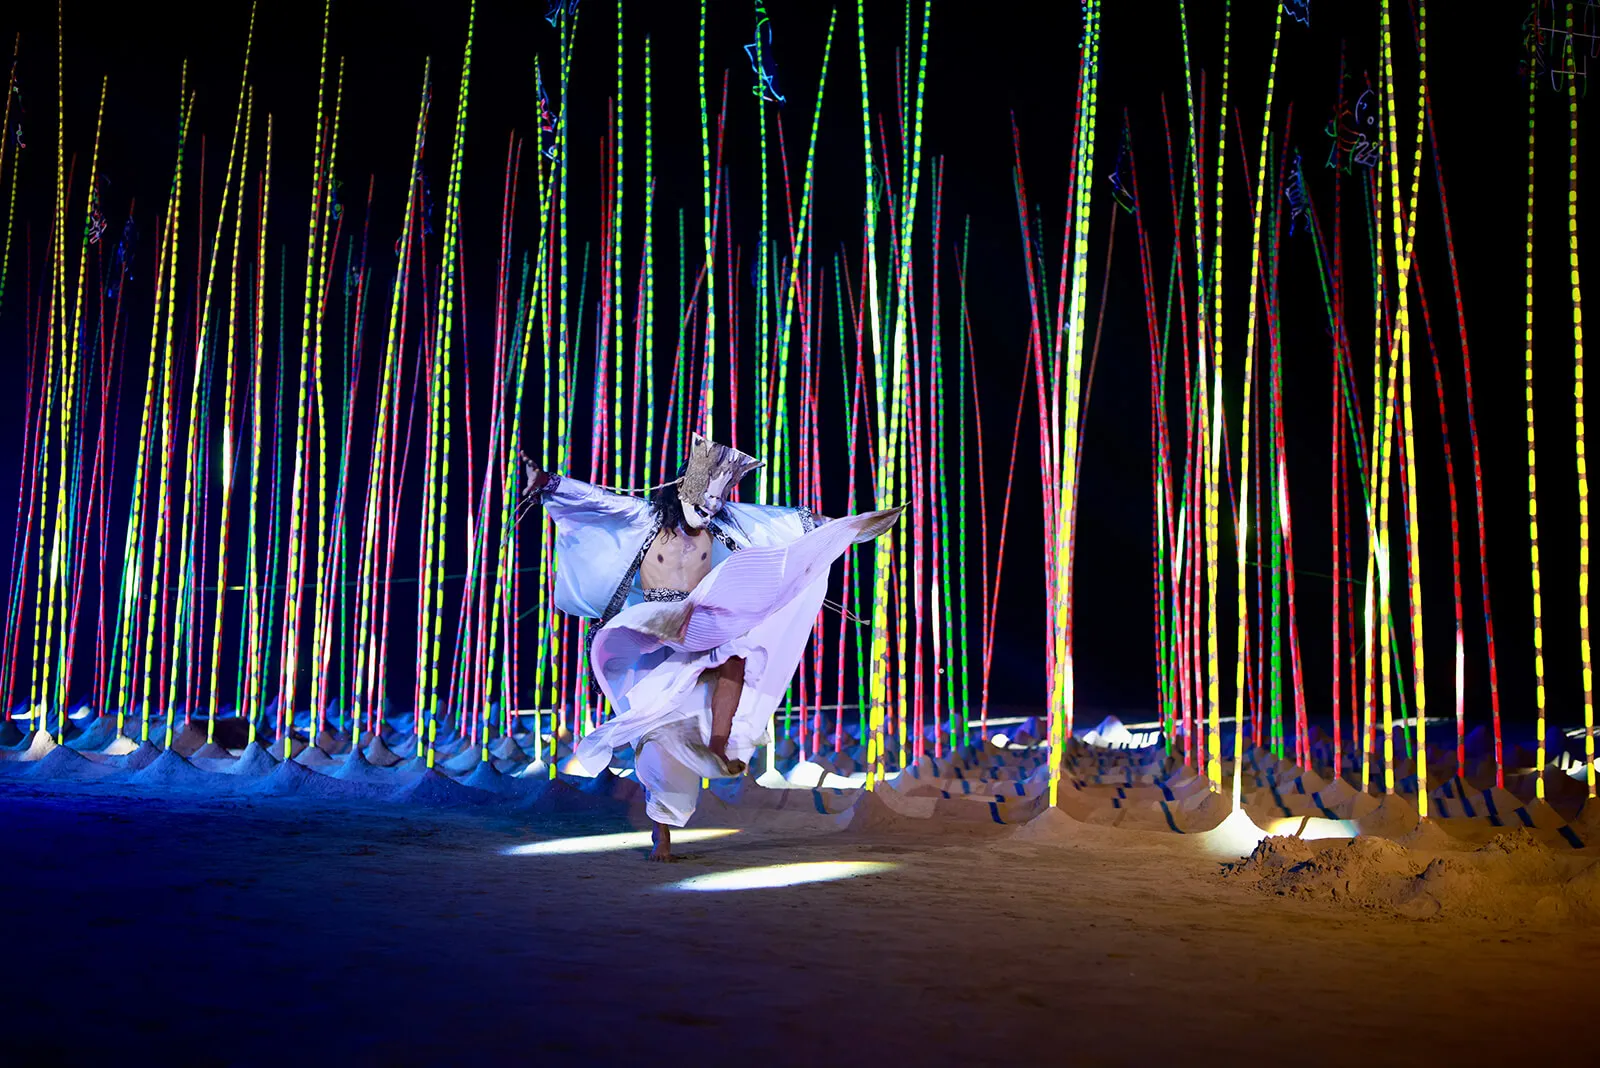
(651, 660)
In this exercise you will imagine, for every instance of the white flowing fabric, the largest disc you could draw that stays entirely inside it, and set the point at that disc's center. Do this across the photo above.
(652, 657)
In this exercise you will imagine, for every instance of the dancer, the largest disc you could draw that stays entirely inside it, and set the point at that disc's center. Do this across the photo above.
(702, 608)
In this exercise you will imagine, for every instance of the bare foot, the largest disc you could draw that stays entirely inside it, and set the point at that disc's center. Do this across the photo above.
(662, 837)
(719, 749)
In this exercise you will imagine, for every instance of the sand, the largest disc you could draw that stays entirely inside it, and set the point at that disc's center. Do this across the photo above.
(1050, 941)
(355, 768)
(1513, 877)
(141, 757)
(254, 762)
(434, 789)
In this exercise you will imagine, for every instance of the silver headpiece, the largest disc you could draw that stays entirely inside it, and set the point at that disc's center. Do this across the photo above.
(708, 460)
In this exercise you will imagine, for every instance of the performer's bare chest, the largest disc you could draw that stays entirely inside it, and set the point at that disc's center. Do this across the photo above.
(676, 561)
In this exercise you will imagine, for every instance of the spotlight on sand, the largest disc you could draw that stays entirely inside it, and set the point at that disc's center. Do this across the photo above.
(1313, 828)
(1235, 836)
(820, 871)
(607, 843)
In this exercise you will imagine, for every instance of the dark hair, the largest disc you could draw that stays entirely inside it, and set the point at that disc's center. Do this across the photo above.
(667, 506)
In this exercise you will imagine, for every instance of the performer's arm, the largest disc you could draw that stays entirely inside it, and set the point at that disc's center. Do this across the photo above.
(571, 502)
(770, 524)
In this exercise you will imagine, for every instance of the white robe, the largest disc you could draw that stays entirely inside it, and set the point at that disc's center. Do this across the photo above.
(759, 601)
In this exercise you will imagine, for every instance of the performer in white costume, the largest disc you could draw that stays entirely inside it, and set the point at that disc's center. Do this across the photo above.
(702, 608)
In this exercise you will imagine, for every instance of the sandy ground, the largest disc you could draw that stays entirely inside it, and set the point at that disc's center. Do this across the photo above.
(254, 931)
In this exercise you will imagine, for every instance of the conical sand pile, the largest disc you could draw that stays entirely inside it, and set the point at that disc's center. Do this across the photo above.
(255, 762)
(171, 769)
(434, 789)
(67, 765)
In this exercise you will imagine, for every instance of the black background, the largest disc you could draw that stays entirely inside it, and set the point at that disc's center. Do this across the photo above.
(988, 61)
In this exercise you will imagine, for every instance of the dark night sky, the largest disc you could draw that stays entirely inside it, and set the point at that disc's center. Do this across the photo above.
(984, 65)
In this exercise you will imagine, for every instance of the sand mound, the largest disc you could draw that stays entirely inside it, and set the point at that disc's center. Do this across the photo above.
(1395, 817)
(1583, 890)
(1513, 877)
(417, 765)
(190, 739)
(255, 762)
(1518, 856)
(1588, 823)
(332, 742)
(287, 746)
(211, 751)
(380, 755)
(67, 765)
(39, 745)
(872, 812)
(1051, 827)
(1366, 872)
(758, 807)
(356, 768)
(119, 746)
(170, 769)
(463, 762)
(1429, 837)
(97, 736)
(435, 789)
(141, 757)
(537, 769)
(484, 777)
(10, 733)
(508, 749)
(313, 757)
(293, 779)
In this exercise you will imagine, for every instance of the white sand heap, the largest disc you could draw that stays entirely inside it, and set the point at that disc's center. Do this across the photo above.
(487, 778)
(293, 779)
(171, 769)
(255, 762)
(508, 749)
(67, 765)
(286, 747)
(463, 762)
(534, 770)
(356, 768)
(40, 743)
(1052, 827)
(141, 757)
(119, 746)
(99, 734)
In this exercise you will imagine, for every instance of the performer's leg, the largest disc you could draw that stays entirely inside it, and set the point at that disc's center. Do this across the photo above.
(724, 702)
(671, 789)
(661, 835)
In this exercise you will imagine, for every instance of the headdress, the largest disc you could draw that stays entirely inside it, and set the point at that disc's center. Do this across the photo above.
(708, 460)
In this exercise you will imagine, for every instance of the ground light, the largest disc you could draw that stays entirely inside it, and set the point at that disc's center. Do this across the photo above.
(1313, 828)
(608, 843)
(776, 875)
